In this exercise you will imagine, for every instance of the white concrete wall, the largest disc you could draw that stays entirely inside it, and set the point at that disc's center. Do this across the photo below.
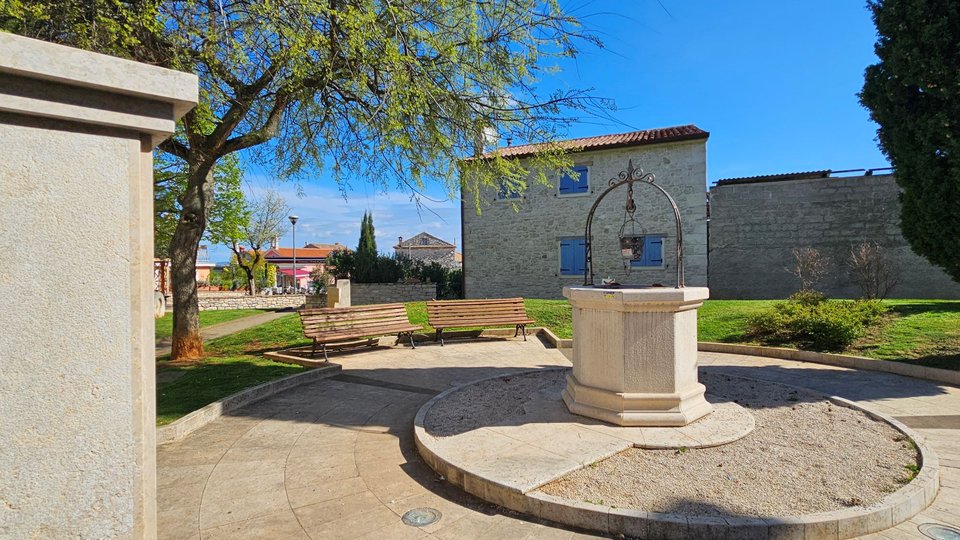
(77, 392)
(516, 253)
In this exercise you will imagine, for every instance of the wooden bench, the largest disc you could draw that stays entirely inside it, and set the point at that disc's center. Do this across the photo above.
(443, 314)
(335, 325)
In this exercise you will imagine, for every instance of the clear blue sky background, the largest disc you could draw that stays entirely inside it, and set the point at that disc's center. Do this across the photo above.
(773, 82)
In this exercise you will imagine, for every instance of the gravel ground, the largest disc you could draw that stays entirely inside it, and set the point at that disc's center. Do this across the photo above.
(806, 455)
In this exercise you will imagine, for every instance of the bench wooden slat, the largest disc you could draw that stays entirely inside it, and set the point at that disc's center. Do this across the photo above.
(362, 331)
(443, 314)
(332, 325)
(365, 316)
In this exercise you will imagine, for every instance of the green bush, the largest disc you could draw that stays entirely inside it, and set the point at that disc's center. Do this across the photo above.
(808, 321)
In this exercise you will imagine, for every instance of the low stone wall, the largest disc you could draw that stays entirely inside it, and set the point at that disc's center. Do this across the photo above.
(242, 301)
(388, 293)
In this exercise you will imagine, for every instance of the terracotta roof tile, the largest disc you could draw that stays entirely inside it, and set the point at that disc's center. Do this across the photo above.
(302, 253)
(615, 140)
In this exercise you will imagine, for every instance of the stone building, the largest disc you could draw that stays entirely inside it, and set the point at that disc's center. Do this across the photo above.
(756, 222)
(532, 244)
(428, 248)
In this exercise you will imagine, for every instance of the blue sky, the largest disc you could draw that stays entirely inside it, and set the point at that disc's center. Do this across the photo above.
(774, 83)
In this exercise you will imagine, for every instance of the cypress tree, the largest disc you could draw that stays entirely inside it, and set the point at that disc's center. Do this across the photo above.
(913, 93)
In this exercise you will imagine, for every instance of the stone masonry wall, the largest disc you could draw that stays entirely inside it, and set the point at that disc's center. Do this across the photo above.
(511, 252)
(389, 293)
(242, 301)
(755, 226)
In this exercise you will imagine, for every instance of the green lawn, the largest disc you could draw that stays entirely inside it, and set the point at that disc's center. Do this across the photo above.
(918, 331)
(233, 363)
(164, 325)
(922, 331)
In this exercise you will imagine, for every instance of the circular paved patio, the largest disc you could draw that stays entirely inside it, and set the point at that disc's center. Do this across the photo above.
(336, 459)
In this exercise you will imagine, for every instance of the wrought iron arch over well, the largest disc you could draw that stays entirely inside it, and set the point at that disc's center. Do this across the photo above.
(629, 177)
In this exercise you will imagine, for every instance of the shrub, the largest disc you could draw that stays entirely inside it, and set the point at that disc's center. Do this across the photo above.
(872, 270)
(808, 321)
(809, 266)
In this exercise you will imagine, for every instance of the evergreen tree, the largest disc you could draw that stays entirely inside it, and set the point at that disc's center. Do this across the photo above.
(914, 94)
(368, 241)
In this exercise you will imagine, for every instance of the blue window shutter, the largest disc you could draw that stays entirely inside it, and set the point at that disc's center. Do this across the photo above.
(653, 251)
(566, 261)
(572, 260)
(581, 186)
(577, 184)
(578, 256)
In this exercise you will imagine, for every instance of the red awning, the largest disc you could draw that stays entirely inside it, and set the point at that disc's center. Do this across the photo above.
(300, 272)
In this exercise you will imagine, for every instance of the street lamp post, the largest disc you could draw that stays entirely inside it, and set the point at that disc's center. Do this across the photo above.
(293, 221)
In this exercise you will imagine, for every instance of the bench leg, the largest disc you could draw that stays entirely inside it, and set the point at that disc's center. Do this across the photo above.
(521, 328)
(313, 350)
(323, 348)
(439, 336)
(412, 344)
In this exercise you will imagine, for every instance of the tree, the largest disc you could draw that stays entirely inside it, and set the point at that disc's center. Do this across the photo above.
(411, 86)
(265, 219)
(367, 246)
(913, 93)
(229, 210)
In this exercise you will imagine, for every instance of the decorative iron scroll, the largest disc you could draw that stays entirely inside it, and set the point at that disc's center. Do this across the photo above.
(629, 177)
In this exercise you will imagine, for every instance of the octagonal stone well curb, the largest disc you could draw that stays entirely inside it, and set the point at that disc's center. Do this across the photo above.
(892, 510)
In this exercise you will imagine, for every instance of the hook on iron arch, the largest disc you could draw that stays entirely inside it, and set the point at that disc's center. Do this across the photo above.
(628, 177)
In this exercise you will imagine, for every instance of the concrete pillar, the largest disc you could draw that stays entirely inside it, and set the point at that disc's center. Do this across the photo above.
(77, 390)
(635, 355)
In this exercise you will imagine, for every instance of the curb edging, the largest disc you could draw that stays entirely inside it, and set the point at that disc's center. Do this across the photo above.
(839, 360)
(892, 510)
(197, 419)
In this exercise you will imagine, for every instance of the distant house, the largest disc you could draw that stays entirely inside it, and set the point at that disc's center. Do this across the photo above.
(309, 257)
(428, 248)
(204, 266)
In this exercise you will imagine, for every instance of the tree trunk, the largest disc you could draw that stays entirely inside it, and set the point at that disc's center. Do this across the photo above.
(195, 209)
(251, 284)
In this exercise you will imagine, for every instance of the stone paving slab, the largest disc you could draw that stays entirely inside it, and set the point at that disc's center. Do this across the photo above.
(334, 433)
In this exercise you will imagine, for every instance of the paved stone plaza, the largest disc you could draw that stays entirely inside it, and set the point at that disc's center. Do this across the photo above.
(336, 459)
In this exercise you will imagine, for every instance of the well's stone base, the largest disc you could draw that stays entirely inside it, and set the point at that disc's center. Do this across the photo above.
(636, 409)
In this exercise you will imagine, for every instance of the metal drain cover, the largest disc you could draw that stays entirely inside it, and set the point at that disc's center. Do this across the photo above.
(939, 532)
(421, 517)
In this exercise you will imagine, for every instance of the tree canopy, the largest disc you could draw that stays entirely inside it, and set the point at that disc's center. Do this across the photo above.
(913, 93)
(392, 92)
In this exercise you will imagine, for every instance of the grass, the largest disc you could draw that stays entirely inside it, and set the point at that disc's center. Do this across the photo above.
(921, 331)
(233, 363)
(926, 332)
(164, 325)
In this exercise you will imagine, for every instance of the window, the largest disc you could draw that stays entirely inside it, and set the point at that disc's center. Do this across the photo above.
(507, 193)
(652, 252)
(572, 261)
(579, 183)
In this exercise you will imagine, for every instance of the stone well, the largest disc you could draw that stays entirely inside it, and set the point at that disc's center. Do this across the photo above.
(635, 355)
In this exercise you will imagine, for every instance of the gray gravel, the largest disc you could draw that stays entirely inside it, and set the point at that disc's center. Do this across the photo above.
(806, 455)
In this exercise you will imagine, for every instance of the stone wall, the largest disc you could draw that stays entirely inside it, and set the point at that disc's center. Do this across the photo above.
(243, 301)
(388, 293)
(510, 252)
(77, 388)
(754, 227)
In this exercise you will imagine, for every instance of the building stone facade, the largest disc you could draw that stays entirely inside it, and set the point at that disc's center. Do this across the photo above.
(427, 248)
(513, 247)
(756, 223)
